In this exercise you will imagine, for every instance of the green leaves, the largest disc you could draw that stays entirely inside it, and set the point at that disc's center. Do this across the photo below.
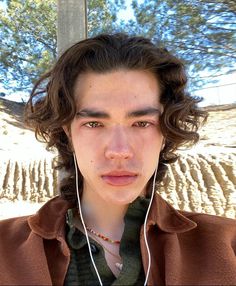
(201, 32)
(28, 37)
(28, 41)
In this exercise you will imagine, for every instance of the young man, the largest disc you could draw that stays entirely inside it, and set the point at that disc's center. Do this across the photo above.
(116, 109)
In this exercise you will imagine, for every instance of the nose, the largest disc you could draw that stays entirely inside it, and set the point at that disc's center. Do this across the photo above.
(118, 146)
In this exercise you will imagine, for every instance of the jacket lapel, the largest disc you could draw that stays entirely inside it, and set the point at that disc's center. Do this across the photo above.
(170, 222)
(167, 218)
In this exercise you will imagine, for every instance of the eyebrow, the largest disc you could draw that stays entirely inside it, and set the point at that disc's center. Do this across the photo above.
(144, 111)
(93, 113)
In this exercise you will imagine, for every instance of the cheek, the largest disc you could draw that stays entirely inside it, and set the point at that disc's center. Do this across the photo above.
(85, 153)
(153, 141)
(151, 152)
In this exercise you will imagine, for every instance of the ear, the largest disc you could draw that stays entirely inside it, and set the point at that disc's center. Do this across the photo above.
(68, 134)
(67, 131)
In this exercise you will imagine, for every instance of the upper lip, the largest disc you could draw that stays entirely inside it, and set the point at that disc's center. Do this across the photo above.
(119, 173)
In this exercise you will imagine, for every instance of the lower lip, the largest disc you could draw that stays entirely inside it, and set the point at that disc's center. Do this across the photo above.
(119, 180)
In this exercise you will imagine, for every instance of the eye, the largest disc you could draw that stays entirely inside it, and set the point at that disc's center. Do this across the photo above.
(142, 124)
(93, 124)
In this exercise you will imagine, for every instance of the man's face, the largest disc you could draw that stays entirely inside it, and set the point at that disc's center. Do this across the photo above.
(116, 133)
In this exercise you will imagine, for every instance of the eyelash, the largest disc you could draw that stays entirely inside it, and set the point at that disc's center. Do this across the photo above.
(92, 123)
(96, 124)
(141, 123)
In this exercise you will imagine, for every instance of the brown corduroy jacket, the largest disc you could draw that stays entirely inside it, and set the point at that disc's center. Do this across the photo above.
(186, 248)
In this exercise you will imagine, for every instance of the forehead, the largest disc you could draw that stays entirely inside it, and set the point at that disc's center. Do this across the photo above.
(117, 89)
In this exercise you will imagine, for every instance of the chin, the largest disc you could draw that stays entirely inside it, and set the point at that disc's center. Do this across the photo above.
(122, 200)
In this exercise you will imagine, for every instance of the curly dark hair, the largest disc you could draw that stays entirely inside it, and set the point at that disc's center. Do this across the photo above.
(52, 103)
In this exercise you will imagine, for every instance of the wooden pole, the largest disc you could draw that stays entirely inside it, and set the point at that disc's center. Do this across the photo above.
(71, 28)
(71, 23)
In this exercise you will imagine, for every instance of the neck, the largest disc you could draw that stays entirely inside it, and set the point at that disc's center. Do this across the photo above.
(103, 217)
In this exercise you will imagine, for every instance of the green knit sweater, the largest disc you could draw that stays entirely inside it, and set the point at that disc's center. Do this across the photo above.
(81, 271)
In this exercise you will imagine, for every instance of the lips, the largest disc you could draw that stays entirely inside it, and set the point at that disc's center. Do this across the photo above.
(119, 178)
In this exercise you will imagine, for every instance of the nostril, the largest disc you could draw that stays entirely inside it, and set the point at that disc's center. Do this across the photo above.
(118, 155)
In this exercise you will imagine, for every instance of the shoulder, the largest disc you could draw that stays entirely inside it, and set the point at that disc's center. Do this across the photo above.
(18, 225)
(13, 226)
(46, 221)
(212, 225)
(13, 223)
(209, 219)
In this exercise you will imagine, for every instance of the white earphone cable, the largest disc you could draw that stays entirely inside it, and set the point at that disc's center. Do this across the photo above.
(145, 227)
(82, 221)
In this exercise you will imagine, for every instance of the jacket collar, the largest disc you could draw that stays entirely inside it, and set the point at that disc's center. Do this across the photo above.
(49, 221)
(168, 218)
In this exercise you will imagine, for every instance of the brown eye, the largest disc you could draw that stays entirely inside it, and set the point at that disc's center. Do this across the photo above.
(93, 124)
(142, 124)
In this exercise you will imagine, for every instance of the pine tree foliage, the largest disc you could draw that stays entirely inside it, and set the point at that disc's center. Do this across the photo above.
(201, 32)
(28, 37)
